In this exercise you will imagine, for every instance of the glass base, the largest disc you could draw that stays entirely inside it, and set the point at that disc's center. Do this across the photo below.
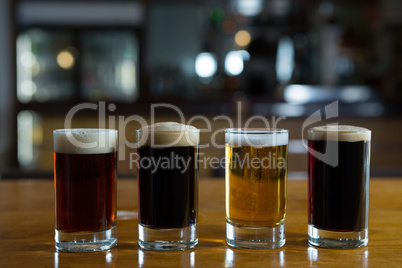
(167, 239)
(255, 237)
(85, 242)
(331, 239)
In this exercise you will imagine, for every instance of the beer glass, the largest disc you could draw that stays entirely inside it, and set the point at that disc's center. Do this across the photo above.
(338, 191)
(256, 172)
(85, 162)
(167, 173)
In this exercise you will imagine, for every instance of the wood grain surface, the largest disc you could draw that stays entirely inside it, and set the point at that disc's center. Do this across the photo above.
(27, 232)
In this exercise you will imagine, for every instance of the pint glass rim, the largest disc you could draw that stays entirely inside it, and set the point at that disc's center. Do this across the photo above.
(339, 132)
(335, 128)
(90, 130)
(180, 136)
(168, 131)
(256, 131)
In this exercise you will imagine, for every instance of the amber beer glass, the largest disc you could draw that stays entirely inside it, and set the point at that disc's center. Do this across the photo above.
(256, 172)
(85, 162)
(338, 179)
(167, 166)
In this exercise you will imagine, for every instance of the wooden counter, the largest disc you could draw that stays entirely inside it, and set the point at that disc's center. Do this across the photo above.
(27, 232)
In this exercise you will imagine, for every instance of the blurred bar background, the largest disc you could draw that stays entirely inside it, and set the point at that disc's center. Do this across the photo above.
(269, 58)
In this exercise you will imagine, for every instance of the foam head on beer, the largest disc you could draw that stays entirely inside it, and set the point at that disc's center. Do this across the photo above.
(339, 133)
(85, 141)
(257, 137)
(168, 134)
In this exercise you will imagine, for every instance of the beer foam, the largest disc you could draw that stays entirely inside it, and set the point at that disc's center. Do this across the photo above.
(256, 137)
(339, 133)
(168, 134)
(85, 141)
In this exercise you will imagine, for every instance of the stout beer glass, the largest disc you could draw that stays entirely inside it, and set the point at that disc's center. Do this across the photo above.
(338, 178)
(85, 189)
(167, 167)
(256, 171)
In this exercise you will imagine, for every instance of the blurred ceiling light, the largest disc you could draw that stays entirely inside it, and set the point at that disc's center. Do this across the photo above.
(234, 62)
(355, 94)
(301, 94)
(65, 59)
(242, 38)
(125, 76)
(284, 60)
(298, 94)
(27, 59)
(249, 7)
(25, 122)
(205, 65)
(27, 89)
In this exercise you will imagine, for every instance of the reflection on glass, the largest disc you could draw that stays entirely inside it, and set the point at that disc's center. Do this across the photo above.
(365, 258)
(56, 259)
(108, 257)
(274, 259)
(282, 258)
(147, 258)
(229, 257)
(59, 263)
(141, 258)
(110, 66)
(192, 259)
(312, 254)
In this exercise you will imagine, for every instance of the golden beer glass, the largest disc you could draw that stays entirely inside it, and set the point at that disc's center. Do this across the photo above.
(256, 173)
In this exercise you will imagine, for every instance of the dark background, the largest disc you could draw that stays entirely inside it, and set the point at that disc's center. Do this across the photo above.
(276, 58)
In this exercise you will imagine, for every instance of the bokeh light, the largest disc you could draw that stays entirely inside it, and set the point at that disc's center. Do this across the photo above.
(65, 59)
(242, 38)
(205, 65)
(249, 7)
(27, 59)
(217, 14)
(234, 62)
(229, 26)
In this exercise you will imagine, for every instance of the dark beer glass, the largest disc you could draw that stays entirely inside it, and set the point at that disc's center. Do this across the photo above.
(85, 162)
(338, 178)
(256, 172)
(167, 167)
